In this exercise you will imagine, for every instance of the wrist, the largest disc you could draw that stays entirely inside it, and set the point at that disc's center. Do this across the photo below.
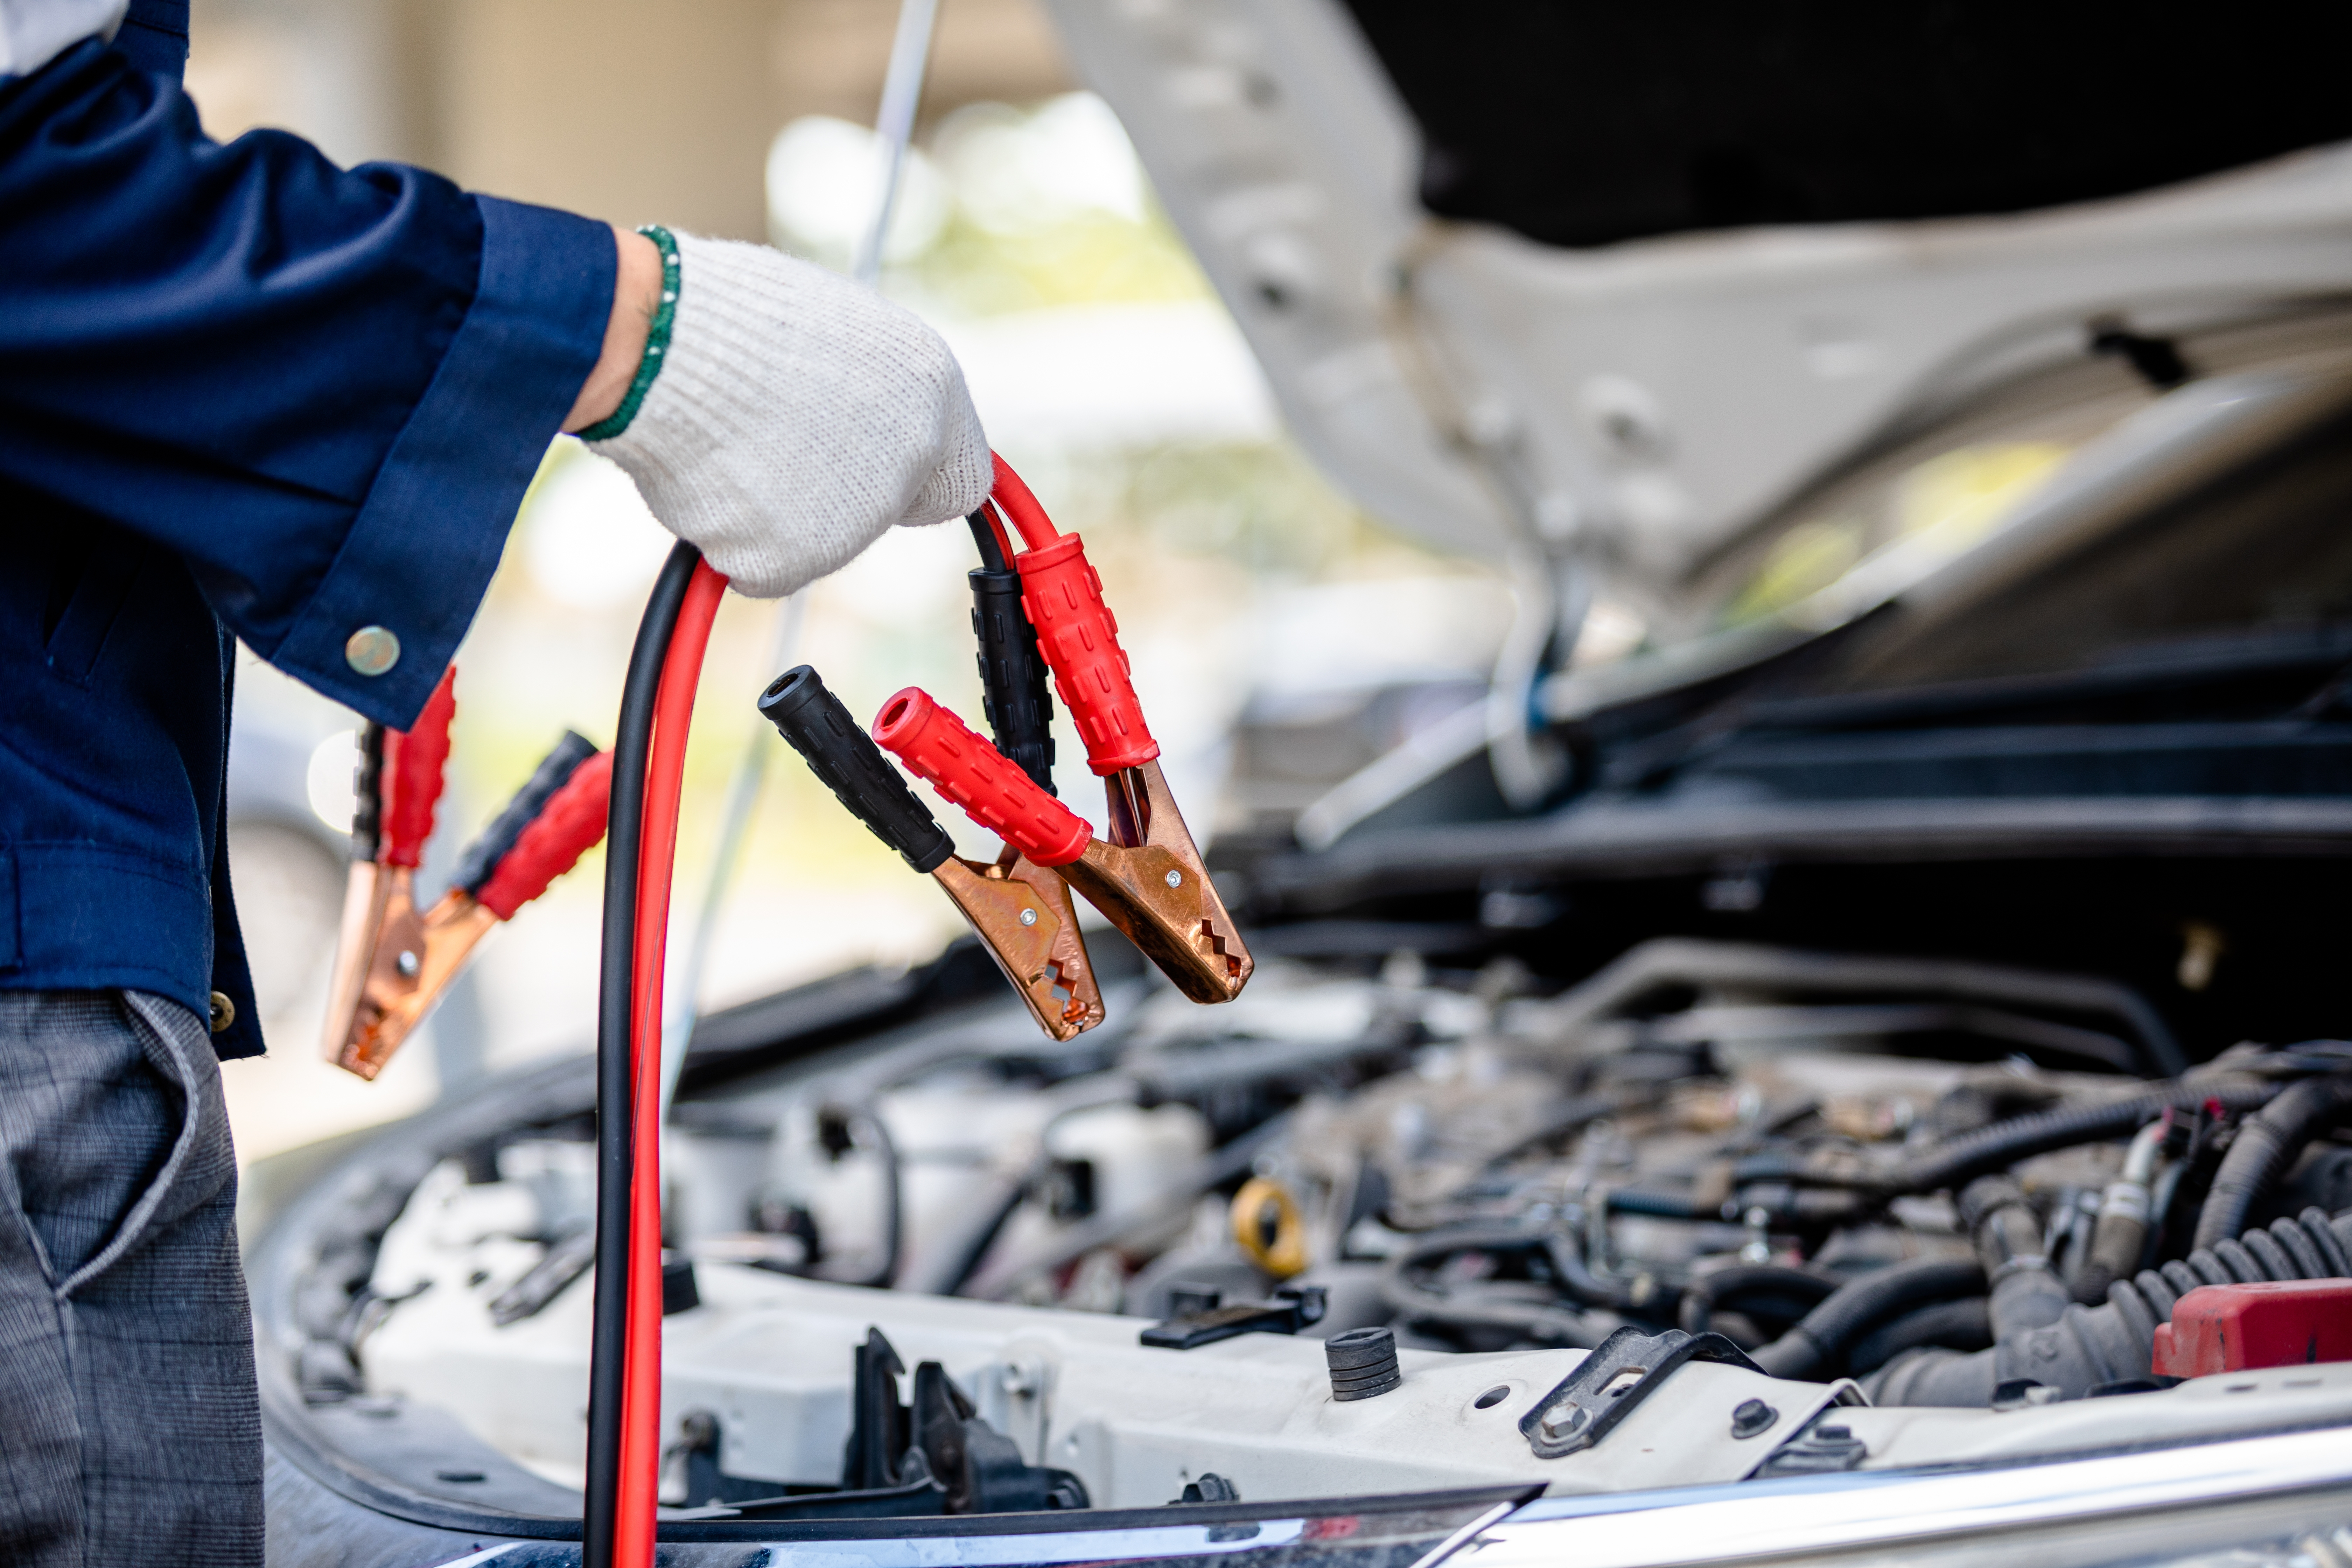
(645, 296)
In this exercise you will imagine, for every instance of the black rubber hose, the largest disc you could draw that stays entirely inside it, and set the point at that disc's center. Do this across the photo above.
(2002, 1144)
(2088, 1347)
(1644, 1295)
(1956, 1161)
(1821, 1340)
(608, 1339)
(1416, 1302)
(975, 1251)
(1962, 1325)
(1659, 1206)
(1561, 1120)
(894, 1200)
(2267, 1142)
(1788, 1286)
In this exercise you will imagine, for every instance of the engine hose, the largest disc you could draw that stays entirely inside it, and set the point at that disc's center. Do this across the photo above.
(1418, 1304)
(885, 1272)
(615, 1078)
(1958, 1159)
(2119, 1236)
(2267, 1142)
(1819, 1343)
(2089, 1347)
(1962, 1325)
(1659, 1206)
(1786, 1287)
(1643, 1294)
(2002, 1144)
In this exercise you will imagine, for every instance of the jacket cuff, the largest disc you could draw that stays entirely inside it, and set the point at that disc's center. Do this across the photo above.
(420, 554)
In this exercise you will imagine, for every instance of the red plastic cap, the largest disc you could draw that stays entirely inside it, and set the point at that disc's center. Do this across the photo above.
(993, 791)
(1063, 598)
(412, 776)
(2237, 1327)
(566, 828)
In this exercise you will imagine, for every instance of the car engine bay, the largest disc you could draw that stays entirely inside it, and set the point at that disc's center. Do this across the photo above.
(1905, 992)
(1811, 1211)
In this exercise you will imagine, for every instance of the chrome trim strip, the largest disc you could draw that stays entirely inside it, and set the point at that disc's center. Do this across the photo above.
(1462, 1537)
(1827, 1513)
(1004, 1551)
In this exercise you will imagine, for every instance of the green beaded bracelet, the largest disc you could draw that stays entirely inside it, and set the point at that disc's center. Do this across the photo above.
(657, 342)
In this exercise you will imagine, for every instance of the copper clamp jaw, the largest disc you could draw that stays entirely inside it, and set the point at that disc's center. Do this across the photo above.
(1022, 915)
(413, 960)
(1151, 883)
(392, 963)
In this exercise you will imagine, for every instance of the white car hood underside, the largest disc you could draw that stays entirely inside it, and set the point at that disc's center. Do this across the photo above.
(1642, 405)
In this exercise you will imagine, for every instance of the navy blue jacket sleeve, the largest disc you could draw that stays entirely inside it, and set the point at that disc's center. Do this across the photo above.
(325, 390)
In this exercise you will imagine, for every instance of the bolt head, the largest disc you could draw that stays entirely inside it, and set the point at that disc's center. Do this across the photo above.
(1028, 917)
(1560, 1423)
(408, 964)
(1175, 879)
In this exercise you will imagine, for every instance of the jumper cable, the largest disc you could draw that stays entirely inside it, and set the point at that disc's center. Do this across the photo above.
(625, 1353)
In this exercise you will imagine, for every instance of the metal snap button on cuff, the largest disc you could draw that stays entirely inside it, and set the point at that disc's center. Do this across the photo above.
(372, 650)
(224, 1012)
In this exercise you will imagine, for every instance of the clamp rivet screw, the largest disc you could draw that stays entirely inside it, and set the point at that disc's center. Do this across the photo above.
(1175, 879)
(1028, 917)
(408, 964)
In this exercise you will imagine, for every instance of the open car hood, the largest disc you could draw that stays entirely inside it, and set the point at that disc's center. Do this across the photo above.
(1619, 286)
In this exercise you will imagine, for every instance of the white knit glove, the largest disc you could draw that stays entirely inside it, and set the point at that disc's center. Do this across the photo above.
(795, 416)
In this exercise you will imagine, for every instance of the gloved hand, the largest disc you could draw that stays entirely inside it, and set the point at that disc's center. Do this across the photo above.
(795, 416)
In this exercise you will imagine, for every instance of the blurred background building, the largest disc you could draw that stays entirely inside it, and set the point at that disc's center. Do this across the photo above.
(1255, 600)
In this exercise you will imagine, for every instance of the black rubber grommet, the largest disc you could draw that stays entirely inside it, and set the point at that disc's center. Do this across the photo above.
(1364, 1362)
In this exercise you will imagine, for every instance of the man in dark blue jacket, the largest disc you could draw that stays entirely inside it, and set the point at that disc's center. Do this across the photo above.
(248, 396)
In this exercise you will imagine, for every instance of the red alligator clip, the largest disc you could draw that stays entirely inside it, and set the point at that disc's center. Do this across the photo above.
(381, 946)
(1156, 892)
(388, 977)
(1061, 597)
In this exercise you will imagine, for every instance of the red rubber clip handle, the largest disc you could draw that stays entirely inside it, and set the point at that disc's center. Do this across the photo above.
(1063, 598)
(412, 776)
(567, 828)
(990, 787)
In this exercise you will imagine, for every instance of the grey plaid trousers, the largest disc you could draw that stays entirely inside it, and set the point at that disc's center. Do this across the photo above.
(129, 1430)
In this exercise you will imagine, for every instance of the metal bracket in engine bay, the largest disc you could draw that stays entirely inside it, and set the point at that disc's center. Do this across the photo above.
(1614, 1377)
(1200, 1320)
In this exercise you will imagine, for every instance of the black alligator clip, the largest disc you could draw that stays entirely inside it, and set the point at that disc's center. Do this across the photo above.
(1022, 913)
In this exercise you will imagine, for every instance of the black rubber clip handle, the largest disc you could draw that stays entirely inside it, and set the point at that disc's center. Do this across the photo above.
(481, 860)
(839, 751)
(1013, 674)
(367, 795)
